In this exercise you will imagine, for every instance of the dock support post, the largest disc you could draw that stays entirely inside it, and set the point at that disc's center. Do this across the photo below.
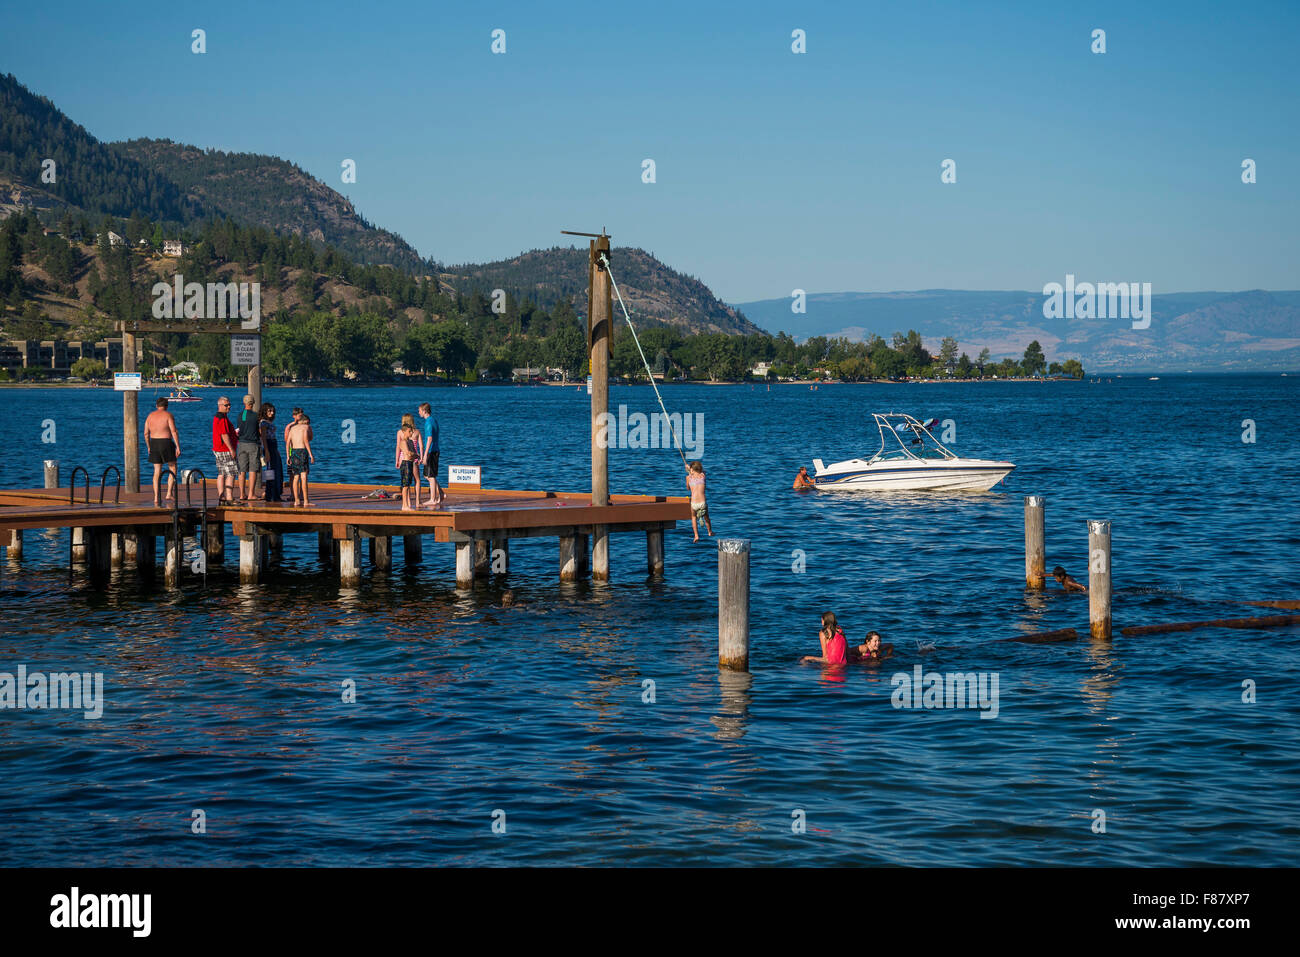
(412, 549)
(99, 555)
(146, 555)
(582, 549)
(15, 546)
(130, 548)
(499, 556)
(733, 603)
(174, 544)
(51, 473)
(464, 564)
(569, 571)
(275, 544)
(381, 553)
(482, 558)
(1099, 578)
(252, 557)
(214, 543)
(654, 552)
(78, 546)
(350, 560)
(116, 549)
(1035, 555)
(325, 545)
(600, 553)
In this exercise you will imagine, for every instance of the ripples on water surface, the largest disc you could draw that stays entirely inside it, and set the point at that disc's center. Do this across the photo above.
(229, 699)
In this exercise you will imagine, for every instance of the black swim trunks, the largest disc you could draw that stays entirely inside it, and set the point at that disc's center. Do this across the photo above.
(431, 465)
(299, 464)
(408, 473)
(162, 451)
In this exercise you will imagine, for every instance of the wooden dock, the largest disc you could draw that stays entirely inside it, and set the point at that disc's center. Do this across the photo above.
(479, 522)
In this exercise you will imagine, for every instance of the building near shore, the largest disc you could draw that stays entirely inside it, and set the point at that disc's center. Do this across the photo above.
(57, 356)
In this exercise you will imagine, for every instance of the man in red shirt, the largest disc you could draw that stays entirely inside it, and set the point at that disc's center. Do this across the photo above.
(223, 449)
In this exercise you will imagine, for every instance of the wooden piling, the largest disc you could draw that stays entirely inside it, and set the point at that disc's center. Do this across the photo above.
(733, 603)
(350, 560)
(1099, 582)
(654, 548)
(130, 548)
(15, 545)
(214, 543)
(78, 546)
(600, 553)
(99, 555)
(600, 329)
(582, 554)
(116, 549)
(482, 558)
(569, 558)
(412, 549)
(51, 473)
(465, 564)
(251, 548)
(173, 545)
(325, 545)
(1035, 553)
(146, 556)
(381, 553)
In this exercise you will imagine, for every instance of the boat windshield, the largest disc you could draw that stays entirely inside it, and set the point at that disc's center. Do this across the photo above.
(903, 437)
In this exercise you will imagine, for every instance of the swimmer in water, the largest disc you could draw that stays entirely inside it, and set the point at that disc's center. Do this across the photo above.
(1065, 581)
(873, 650)
(834, 644)
(507, 599)
(802, 482)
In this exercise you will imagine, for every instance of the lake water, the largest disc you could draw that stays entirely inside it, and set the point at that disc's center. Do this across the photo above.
(228, 699)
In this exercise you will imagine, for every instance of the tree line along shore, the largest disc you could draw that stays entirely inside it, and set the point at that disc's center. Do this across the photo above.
(326, 318)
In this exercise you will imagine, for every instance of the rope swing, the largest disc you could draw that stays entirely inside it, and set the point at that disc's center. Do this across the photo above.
(649, 375)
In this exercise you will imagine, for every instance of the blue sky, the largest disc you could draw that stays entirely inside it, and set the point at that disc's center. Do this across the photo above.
(775, 171)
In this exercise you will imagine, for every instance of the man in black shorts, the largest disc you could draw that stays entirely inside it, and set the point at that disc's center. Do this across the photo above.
(164, 448)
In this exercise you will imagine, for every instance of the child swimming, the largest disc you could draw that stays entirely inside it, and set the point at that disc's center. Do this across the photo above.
(834, 644)
(1066, 582)
(873, 650)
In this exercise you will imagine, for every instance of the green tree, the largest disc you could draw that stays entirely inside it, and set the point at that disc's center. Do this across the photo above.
(88, 368)
(982, 361)
(1034, 362)
(948, 354)
(1072, 367)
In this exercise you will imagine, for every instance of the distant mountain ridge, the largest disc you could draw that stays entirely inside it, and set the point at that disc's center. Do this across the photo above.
(186, 185)
(1200, 331)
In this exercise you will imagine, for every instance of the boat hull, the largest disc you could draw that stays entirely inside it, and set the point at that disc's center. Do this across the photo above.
(968, 475)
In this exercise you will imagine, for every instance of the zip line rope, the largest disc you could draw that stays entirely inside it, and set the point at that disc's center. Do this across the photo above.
(644, 361)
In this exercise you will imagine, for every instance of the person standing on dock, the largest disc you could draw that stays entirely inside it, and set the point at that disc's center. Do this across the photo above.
(164, 446)
(409, 455)
(298, 441)
(248, 456)
(223, 450)
(271, 454)
(430, 459)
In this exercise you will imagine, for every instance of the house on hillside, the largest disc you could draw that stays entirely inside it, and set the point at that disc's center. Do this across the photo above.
(115, 240)
(173, 247)
(761, 369)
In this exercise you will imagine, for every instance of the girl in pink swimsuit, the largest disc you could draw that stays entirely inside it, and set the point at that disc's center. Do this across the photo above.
(834, 645)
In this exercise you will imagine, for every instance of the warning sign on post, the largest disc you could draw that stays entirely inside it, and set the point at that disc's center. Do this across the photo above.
(126, 381)
(245, 350)
(464, 475)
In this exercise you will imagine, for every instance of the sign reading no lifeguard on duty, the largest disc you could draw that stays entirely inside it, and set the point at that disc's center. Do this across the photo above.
(464, 475)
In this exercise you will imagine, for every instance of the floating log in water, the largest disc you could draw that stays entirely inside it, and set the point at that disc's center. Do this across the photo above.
(1286, 603)
(1046, 637)
(1267, 621)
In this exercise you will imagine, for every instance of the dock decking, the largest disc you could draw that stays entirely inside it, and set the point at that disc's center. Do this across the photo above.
(480, 522)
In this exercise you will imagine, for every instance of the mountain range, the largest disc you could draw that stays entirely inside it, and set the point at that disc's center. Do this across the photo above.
(1197, 331)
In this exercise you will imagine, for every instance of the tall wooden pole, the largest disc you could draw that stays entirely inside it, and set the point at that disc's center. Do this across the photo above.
(733, 603)
(1035, 554)
(600, 310)
(255, 381)
(130, 418)
(1099, 582)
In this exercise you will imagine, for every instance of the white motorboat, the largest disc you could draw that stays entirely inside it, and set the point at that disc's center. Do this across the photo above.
(910, 459)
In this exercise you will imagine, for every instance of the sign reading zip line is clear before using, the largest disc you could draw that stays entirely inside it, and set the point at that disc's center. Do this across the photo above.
(245, 350)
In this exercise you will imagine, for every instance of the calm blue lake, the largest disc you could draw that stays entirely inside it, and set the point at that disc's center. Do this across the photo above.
(229, 699)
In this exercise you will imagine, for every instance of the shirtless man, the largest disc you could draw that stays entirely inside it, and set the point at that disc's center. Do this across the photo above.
(1066, 582)
(298, 441)
(164, 449)
(802, 481)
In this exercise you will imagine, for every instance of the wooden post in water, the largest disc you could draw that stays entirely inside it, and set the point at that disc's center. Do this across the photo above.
(15, 546)
(600, 309)
(733, 603)
(582, 553)
(98, 554)
(381, 553)
(654, 548)
(569, 571)
(412, 549)
(214, 543)
(116, 549)
(173, 544)
(146, 554)
(350, 560)
(1099, 578)
(1035, 554)
(325, 545)
(252, 547)
(482, 558)
(51, 473)
(78, 546)
(465, 564)
(130, 419)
